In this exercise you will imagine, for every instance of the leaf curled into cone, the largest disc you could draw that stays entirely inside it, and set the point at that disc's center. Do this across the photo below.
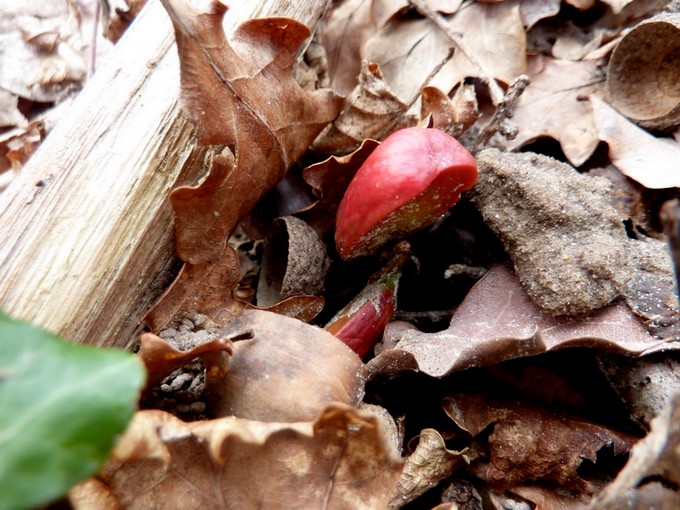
(411, 179)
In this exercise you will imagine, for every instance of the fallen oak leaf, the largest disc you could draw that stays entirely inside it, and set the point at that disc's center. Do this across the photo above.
(244, 101)
(529, 444)
(340, 461)
(277, 368)
(555, 105)
(498, 321)
(240, 94)
(651, 161)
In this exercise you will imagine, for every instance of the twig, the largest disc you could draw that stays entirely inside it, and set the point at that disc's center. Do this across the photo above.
(503, 112)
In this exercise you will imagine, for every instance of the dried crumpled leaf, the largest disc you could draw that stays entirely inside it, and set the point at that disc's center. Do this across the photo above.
(349, 26)
(242, 96)
(452, 115)
(330, 179)
(642, 75)
(161, 359)
(277, 368)
(529, 444)
(288, 371)
(651, 477)
(429, 464)
(491, 44)
(649, 160)
(409, 51)
(372, 110)
(340, 461)
(568, 244)
(498, 321)
(555, 104)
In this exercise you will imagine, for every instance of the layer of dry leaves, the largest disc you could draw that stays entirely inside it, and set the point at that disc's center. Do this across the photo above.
(536, 334)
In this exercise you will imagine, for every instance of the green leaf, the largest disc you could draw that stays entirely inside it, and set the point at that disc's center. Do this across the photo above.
(62, 406)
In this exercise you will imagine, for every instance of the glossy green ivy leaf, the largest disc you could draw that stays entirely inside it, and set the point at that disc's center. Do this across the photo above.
(62, 406)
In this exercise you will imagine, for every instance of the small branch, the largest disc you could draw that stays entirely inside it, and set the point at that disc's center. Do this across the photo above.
(504, 111)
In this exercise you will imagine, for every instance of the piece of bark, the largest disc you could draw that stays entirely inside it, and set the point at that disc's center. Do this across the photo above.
(86, 237)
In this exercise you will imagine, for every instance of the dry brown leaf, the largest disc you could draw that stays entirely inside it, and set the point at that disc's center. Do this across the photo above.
(555, 104)
(409, 51)
(651, 161)
(529, 444)
(330, 179)
(452, 115)
(493, 36)
(497, 321)
(288, 371)
(429, 464)
(244, 101)
(240, 94)
(278, 368)
(533, 11)
(372, 110)
(161, 359)
(341, 461)
(349, 26)
(650, 478)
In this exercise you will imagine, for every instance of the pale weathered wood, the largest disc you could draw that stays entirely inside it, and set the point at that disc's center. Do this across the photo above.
(86, 242)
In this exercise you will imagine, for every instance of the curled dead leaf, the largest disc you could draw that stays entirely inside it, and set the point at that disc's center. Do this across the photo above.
(288, 371)
(528, 444)
(498, 321)
(429, 464)
(339, 461)
(372, 110)
(649, 160)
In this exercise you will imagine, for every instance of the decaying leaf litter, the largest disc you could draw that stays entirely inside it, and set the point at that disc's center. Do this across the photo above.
(516, 401)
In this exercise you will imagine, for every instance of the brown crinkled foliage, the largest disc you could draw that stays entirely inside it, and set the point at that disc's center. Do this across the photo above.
(555, 105)
(372, 110)
(498, 321)
(340, 461)
(651, 477)
(277, 368)
(529, 444)
(245, 102)
(429, 464)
